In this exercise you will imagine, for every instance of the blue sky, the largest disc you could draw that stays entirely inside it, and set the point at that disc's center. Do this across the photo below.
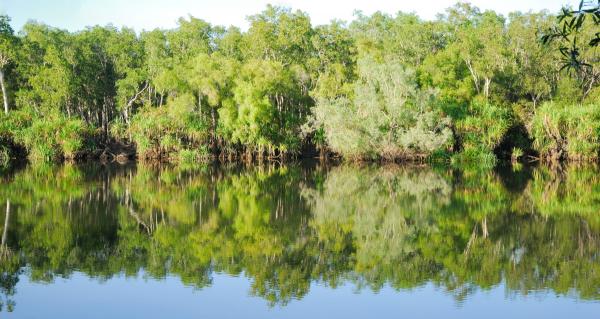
(149, 14)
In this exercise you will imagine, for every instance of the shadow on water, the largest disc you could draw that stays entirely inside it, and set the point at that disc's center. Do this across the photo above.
(288, 226)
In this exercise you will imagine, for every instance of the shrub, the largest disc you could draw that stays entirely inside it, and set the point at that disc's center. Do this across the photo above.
(13, 123)
(480, 157)
(389, 117)
(6, 139)
(563, 131)
(166, 131)
(5, 154)
(47, 138)
(192, 156)
(55, 137)
(480, 129)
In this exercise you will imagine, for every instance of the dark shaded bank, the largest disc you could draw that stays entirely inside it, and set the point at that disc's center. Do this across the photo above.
(119, 152)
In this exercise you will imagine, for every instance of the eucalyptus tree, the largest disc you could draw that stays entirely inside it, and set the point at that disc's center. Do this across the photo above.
(156, 56)
(333, 63)
(483, 49)
(533, 73)
(404, 37)
(228, 42)
(8, 43)
(126, 52)
(165, 84)
(260, 117)
(278, 34)
(333, 68)
(46, 59)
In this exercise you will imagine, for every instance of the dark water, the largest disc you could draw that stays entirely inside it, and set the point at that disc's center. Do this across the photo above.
(299, 241)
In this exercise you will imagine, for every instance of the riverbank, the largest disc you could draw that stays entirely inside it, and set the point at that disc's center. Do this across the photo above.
(469, 87)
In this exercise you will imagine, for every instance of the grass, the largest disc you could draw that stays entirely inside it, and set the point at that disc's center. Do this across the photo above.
(562, 131)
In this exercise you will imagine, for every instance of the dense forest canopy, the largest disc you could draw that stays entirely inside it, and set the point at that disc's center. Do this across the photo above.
(469, 86)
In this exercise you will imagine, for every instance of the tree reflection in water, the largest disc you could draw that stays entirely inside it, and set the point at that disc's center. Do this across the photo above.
(286, 227)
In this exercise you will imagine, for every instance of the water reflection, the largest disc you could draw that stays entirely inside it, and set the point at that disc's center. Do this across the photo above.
(285, 227)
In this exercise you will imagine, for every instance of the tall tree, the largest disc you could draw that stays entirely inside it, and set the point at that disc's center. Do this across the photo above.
(533, 75)
(7, 47)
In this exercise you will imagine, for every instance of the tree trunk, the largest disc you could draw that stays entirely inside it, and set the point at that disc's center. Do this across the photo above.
(213, 125)
(590, 85)
(484, 228)
(486, 89)
(105, 119)
(126, 115)
(4, 94)
(200, 103)
(473, 75)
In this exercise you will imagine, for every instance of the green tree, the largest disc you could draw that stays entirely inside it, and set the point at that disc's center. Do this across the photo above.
(534, 76)
(389, 116)
(212, 77)
(265, 115)
(8, 43)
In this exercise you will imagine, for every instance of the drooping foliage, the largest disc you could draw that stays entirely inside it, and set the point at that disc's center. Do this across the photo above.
(388, 116)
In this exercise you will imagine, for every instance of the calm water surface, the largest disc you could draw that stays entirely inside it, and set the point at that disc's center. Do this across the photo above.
(299, 241)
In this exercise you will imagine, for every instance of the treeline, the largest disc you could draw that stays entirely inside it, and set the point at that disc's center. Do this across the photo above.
(470, 86)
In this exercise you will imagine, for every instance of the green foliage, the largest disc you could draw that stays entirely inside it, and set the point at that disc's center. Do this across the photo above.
(405, 37)
(567, 131)
(263, 113)
(516, 154)
(474, 60)
(193, 156)
(389, 117)
(56, 137)
(480, 128)
(571, 33)
(163, 132)
(477, 157)
(278, 34)
(9, 45)
(533, 67)
(376, 87)
(52, 138)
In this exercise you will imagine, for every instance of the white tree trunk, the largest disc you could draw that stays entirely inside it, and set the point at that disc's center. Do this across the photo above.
(4, 94)
(484, 227)
(486, 90)
(473, 75)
